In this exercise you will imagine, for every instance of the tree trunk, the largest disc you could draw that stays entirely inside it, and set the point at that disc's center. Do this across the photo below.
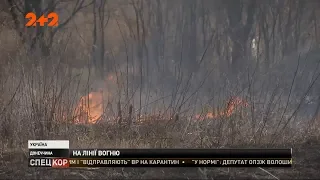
(239, 31)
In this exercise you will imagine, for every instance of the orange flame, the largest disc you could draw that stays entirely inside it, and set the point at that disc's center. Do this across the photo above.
(90, 108)
(232, 104)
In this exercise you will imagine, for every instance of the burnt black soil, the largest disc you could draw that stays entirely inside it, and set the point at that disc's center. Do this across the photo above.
(306, 166)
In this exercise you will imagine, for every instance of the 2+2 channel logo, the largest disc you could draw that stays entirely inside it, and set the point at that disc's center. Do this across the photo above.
(51, 19)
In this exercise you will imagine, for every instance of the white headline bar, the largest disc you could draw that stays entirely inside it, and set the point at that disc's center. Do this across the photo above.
(48, 144)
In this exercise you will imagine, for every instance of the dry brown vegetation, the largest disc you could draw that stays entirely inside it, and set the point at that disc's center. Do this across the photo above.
(159, 74)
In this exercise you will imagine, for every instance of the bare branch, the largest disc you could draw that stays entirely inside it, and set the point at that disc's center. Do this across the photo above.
(79, 5)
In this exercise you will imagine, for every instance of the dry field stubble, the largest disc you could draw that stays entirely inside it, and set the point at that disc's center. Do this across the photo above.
(180, 134)
(28, 114)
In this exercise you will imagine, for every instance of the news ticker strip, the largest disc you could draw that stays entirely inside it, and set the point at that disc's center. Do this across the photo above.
(162, 153)
(157, 162)
(45, 153)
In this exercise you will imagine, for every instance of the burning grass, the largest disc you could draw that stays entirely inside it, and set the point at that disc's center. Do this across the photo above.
(198, 134)
(97, 118)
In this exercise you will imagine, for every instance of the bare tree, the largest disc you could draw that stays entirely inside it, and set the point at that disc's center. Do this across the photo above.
(241, 16)
(39, 36)
(191, 35)
(100, 22)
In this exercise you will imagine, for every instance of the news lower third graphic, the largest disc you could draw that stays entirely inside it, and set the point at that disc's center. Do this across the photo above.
(48, 153)
(56, 154)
